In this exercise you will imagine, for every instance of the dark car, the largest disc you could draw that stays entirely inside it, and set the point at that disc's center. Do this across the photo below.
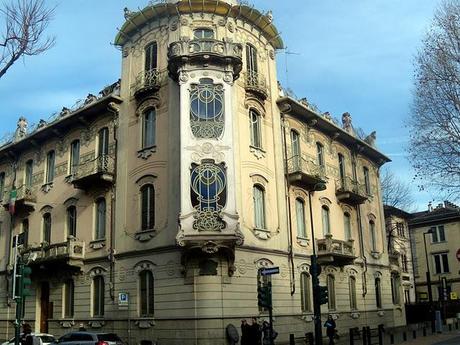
(89, 338)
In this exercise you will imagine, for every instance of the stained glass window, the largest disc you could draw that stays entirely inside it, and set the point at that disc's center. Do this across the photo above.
(208, 183)
(207, 109)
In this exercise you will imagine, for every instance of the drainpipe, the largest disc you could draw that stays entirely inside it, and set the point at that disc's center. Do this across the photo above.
(288, 202)
(10, 236)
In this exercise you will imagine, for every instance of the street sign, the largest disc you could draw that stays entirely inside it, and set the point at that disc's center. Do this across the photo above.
(123, 300)
(458, 254)
(269, 271)
(453, 295)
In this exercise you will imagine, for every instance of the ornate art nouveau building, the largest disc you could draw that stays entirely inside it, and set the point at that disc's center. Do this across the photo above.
(178, 184)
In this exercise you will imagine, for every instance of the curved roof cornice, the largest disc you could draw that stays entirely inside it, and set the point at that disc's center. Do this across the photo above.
(135, 21)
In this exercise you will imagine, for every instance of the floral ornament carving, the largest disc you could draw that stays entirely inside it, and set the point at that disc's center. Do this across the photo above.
(263, 263)
(208, 150)
(173, 26)
(97, 271)
(144, 265)
(208, 220)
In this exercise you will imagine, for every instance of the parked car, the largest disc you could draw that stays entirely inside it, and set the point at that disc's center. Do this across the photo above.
(45, 339)
(89, 338)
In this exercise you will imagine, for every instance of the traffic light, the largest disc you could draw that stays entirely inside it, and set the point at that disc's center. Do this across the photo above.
(264, 296)
(323, 294)
(26, 282)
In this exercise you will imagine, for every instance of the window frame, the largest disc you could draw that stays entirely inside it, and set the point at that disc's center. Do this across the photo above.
(151, 57)
(367, 181)
(100, 221)
(438, 234)
(50, 166)
(203, 30)
(347, 226)
(46, 227)
(74, 160)
(352, 293)
(378, 292)
(259, 222)
(149, 137)
(373, 236)
(147, 211)
(28, 173)
(98, 297)
(103, 142)
(441, 263)
(301, 218)
(68, 305)
(326, 220)
(331, 301)
(255, 128)
(305, 292)
(320, 154)
(251, 59)
(147, 299)
(71, 221)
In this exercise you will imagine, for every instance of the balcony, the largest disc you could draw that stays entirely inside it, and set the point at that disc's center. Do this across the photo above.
(147, 82)
(335, 252)
(95, 172)
(66, 254)
(350, 191)
(255, 82)
(203, 52)
(26, 199)
(304, 173)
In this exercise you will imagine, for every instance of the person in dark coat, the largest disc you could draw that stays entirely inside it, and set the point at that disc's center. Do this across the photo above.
(330, 329)
(26, 338)
(245, 333)
(255, 334)
(266, 332)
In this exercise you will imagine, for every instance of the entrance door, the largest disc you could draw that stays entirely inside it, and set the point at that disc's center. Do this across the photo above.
(44, 307)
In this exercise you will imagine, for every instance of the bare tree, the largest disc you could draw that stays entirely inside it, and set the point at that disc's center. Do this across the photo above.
(395, 192)
(435, 119)
(25, 22)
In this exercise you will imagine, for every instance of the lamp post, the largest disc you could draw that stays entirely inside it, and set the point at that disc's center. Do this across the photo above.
(314, 271)
(428, 280)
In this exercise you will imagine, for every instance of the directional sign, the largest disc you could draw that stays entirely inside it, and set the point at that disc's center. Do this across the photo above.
(123, 300)
(269, 271)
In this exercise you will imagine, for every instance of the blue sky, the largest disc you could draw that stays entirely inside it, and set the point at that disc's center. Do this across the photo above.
(354, 55)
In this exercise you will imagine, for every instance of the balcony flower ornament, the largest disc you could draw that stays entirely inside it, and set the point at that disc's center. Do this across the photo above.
(21, 130)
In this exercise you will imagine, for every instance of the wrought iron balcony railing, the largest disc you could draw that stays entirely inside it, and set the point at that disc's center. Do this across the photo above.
(148, 81)
(71, 252)
(337, 251)
(256, 82)
(350, 191)
(202, 51)
(100, 169)
(305, 173)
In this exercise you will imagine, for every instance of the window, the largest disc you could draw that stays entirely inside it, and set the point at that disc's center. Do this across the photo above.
(407, 296)
(331, 292)
(74, 156)
(367, 183)
(50, 162)
(25, 231)
(2, 184)
(400, 229)
(149, 128)
(100, 218)
(404, 263)
(151, 53)
(373, 236)
(103, 142)
(320, 154)
(72, 221)
(347, 225)
(208, 186)
(251, 59)
(352, 291)
(255, 122)
(259, 206)
(342, 169)
(295, 146)
(438, 234)
(69, 289)
(326, 221)
(395, 284)
(305, 292)
(263, 281)
(378, 293)
(300, 216)
(146, 293)
(441, 263)
(147, 207)
(47, 227)
(203, 33)
(207, 109)
(98, 296)
(29, 173)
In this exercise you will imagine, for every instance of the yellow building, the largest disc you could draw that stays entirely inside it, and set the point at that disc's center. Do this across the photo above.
(177, 185)
(439, 229)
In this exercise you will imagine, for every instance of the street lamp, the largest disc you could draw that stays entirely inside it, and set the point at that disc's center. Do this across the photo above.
(428, 281)
(314, 270)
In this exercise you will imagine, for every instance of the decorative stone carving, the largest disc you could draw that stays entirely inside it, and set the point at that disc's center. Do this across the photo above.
(346, 123)
(263, 263)
(96, 323)
(21, 130)
(184, 21)
(67, 323)
(64, 112)
(354, 315)
(173, 26)
(241, 266)
(208, 220)
(262, 234)
(327, 116)
(89, 99)
(183, 77)
(208, 150)
(144, 265)
(308, 317)
(271, 53)
(257, 152)
(96, 271)
(146, 153)
(145, 323)
(269, 16)
(230, 27)
(381, 313)
(97, 244)
(127, 13)
(370, 139)
(41, 124)
(47, 187)
(144, 236)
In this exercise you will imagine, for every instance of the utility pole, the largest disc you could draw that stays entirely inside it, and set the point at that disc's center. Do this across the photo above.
(16, 287)
(428, 282)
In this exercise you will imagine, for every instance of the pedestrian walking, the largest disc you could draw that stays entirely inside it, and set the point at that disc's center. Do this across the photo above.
(245, 333)
(266, 333)
(330, 329)
(255, 334)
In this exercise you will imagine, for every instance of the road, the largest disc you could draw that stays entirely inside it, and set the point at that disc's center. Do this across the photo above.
(453, 341)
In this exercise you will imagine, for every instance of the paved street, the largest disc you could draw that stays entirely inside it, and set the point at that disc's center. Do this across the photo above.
(452, 338)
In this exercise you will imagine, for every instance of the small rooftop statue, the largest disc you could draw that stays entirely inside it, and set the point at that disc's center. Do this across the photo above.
(270, 16)
(21, 130)
(327, 116)
(90, 99)
(127, 13)
(41, 124)
(346, 123)
(64, 112)
(370, 139)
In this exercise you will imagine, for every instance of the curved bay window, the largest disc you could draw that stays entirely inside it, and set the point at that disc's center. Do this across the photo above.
(147, 207)
(208, 194)
(207, 109)
(149, 128)
(146, 293)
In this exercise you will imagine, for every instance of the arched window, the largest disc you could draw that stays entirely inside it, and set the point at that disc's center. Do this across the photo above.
(255, 124)
(47, 227)
(146, 291)
(72, 221)
(352, 291)
(68, 304)
(74, 156)
(326, 220)
(367, 182)
(29, 173)
(295, 146)
(300, 216)
(305, 292)
(320, 154)
(378, 293)
(151, 56)
(50, 162)
(331, 292)
(347, 225)
(203, 33)
(373, 236)
(207, 109)
(149, 128)
(101, 211)
(98, 296)
(259, 206)
(147, 207)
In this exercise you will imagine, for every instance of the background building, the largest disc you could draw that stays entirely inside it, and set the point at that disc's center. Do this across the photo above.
(179, 184)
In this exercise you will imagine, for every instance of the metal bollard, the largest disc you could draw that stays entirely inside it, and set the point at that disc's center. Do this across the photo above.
(414, 334)
(291, 339)
(424, 331)
(392, 339)
(381, 330)
(309, 337)
(364, 336)
(351, 333)
(404, 336)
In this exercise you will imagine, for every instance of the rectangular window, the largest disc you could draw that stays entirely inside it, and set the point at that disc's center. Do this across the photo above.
(47, 228)
(373, 236)
(326, 222)
(352, 291)
(146, 293)
(72, 221)
(437, 234)
(263, 281)
(149, 129)
(347, 225)
(367, 182)
(151, 56)
(29, 173)
(255, 129)
(331, 292)
(50, 164)
(74, 156)
(2, 185)
(378, 293)
(100, 218)
(342, 169)
(259, 207)
(251, 58)
(305, 292)
(69, 299)
(441, 263)
(295, 146)
(320, 154)
(98, 296)
(300, 216)
(400, 229)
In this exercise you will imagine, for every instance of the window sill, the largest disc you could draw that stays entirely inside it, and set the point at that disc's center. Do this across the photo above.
(145, 235)
(146, 152)
(303, 241)
(354, 314)
(307, 316)
(263, 234)
(439, 242)
(257, 151)
(97, 244)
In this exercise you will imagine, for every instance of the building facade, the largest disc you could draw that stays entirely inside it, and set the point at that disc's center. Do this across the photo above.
(178, 184)
(439, 229)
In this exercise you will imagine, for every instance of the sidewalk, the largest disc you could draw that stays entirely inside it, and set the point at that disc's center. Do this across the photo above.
(432, 339)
